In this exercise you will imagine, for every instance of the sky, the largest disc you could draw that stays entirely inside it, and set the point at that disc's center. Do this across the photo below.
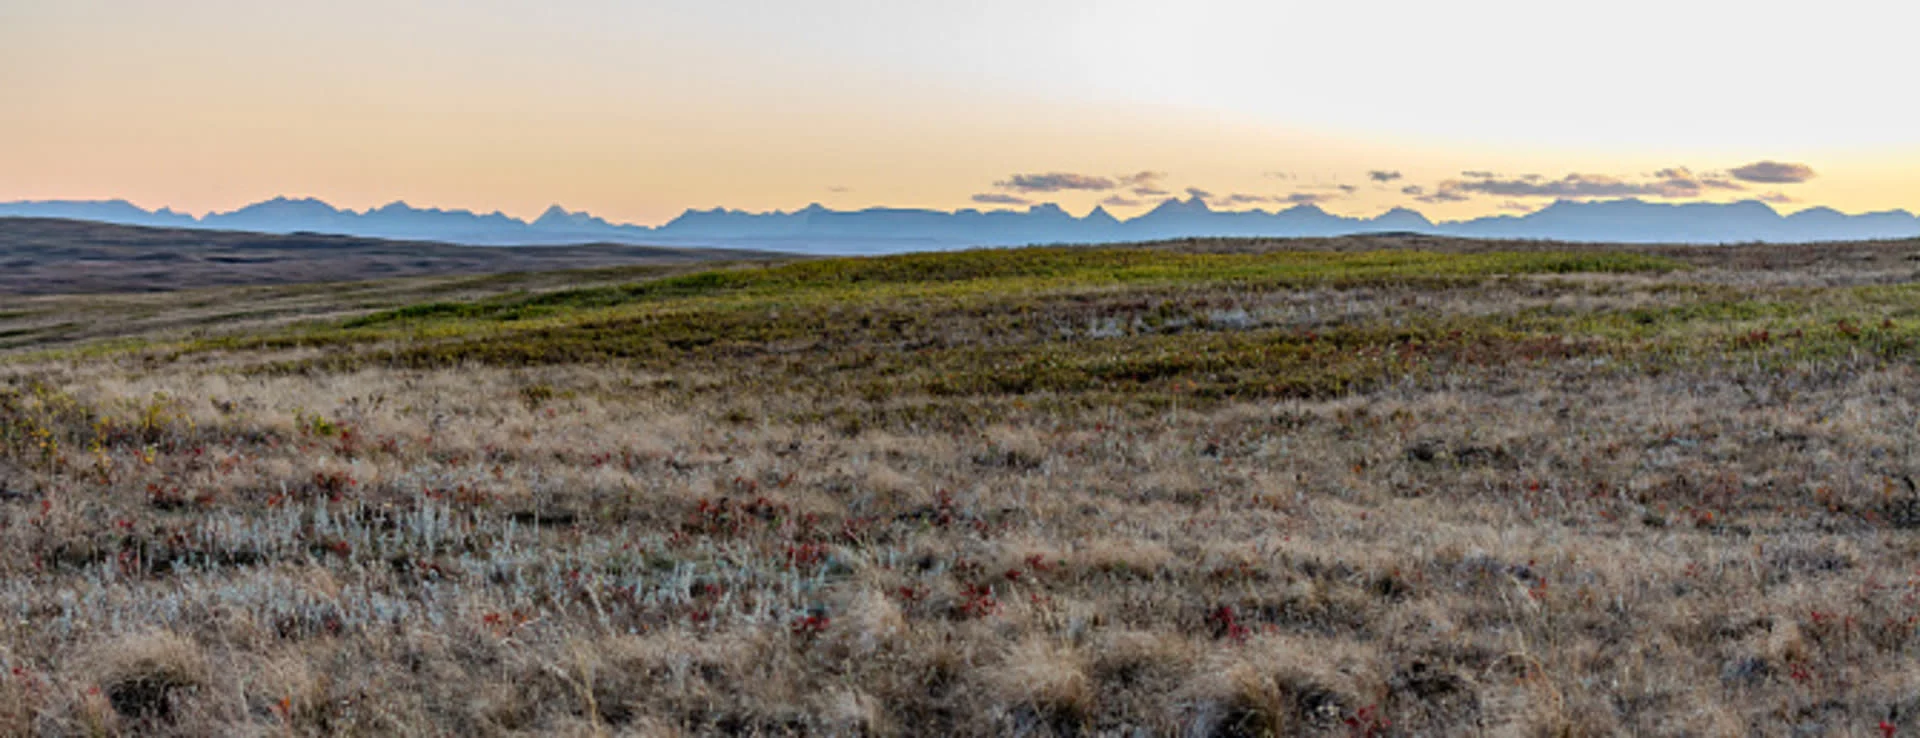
(636, 111)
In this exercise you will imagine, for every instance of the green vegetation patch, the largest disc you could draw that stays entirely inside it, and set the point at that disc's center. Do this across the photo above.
(1137, 324)
(1022, 270)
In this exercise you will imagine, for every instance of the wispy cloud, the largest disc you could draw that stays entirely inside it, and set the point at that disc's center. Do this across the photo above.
(1333, 187)
(1056, 182)
(1000, 198)
(1673, 183)
(1309, 198)
(1681, 182)
(1479, 174)
(1571, 186)
(1118, 201)
(1383, 176)
(1778, 198)
(1414, 190)
(1518, 207)
(1143, 183)
(1444, 195)
(1774, 172)
(1297, 198)
(1199, 193)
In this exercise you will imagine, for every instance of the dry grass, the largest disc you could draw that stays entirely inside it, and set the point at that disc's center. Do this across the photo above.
(1667, 525)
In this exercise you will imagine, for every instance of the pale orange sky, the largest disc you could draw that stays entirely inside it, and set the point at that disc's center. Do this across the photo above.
(636, 111)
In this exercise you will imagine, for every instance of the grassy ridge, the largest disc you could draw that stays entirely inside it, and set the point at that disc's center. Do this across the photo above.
(1128, 325)
(1140, 324)
(1025, 270)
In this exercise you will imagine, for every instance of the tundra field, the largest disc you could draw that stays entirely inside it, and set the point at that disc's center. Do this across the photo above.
(1369, 486)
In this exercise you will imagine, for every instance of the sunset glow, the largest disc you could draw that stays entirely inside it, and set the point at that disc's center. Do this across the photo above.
(637, 111)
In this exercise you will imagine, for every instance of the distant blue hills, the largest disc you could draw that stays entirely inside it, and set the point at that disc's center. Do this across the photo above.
(815, 229)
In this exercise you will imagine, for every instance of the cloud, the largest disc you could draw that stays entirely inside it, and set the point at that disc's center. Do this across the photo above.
(1675, 183)
(1774, 172)
(1681, 182)
(1778, 198)
(1056, 182)
(1383, 176)
(1143, 183)
(1517, 206)
(1117, 201)
(1573, 185)
(1334, 187)
(1199, 193)
(1000, 198)
(1711, 181)
(1278, 175)
(1444, 195)
(840, 189)
(1297, 198)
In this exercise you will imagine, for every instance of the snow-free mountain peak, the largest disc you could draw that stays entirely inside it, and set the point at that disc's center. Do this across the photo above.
(818, 229)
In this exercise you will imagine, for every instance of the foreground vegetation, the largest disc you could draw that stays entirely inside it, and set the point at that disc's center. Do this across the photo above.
(1360, 487)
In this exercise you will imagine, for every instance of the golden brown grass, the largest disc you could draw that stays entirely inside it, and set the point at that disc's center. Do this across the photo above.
(1666, 531)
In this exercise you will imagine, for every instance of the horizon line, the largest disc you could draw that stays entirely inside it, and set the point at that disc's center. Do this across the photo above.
(1029, 208)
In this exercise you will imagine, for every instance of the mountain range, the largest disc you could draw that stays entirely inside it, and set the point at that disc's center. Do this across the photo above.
(816, 229)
